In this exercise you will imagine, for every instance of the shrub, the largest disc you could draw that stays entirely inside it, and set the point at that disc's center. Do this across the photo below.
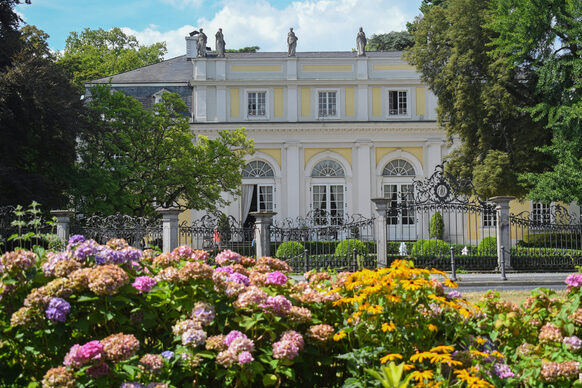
(487, 246)
(430, 247)
(437, 226)
(290, 249)
(552, 240)
(346, 247)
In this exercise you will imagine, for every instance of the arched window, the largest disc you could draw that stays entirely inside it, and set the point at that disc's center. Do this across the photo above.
(257, 169)
(398, 167)
(327, 168)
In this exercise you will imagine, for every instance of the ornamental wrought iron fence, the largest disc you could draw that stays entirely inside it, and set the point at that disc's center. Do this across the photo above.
(438, 217)
(307, 243)
(216, 232)
(139, 232)
(548, 238)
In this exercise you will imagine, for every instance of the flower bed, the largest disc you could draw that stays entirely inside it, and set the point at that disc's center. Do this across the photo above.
(112, 315)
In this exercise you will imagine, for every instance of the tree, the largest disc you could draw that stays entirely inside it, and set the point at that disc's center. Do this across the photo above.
(393, 40)
(41, 115)
(94, 54)
(544, 37)
(248, 49)
(9, 34)
(136, 159)
(480, 96)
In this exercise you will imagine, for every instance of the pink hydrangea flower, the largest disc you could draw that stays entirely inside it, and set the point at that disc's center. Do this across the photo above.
(144, 283)
(227, 257)
(278, 305)
(574, 280)
(245, 358)
(277, 278)
(92, 350)
(232, 335)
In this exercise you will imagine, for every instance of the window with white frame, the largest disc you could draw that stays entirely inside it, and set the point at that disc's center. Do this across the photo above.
(258, 189)
(541, 213)
(489, 216)
(328, 193)
(257, 104)
(327, 104)
(398, 103)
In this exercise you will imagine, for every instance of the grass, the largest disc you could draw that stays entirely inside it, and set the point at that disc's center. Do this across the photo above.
(514, 296)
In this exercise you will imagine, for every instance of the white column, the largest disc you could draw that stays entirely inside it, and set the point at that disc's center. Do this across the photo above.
(200, 93)
(381, 204)
(200, 69)
(362, 68)
(292, 103)
(291, 68)
(169, 228)
(292, 166)
(263, 221)
(220, 64)
(362, 103)
(221, 104)
(503, 229)
(362, 178)
(63, 223)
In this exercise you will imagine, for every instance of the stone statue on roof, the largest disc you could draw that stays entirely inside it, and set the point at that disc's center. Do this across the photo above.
(291, 42)
(220, 43)
(361, 43)
(201, 44)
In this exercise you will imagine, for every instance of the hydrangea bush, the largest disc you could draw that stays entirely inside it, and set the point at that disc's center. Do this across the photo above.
(112, 315)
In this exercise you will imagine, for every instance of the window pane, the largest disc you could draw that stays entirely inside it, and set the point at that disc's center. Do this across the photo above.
(397, 102)
(256, 103)
(266, 198)
(257, 169)
(327, 104)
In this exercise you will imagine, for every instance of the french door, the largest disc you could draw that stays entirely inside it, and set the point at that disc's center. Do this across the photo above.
(400, 218)
(328, 204)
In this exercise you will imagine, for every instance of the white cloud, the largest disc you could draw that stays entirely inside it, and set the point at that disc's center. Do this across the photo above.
(321, 25)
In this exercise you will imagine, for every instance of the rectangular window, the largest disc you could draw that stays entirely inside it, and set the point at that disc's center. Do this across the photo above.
(400, 204)
(541, 213)
(489, 216)
(327, 104)
(266, 198)
(397, 103)
(257, 104)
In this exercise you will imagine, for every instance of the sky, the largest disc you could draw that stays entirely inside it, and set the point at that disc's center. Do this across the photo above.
(320, 25)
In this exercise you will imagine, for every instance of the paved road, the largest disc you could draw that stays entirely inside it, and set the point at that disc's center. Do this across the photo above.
(471, 282)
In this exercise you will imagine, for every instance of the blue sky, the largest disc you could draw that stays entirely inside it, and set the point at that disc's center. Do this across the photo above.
(321, 25)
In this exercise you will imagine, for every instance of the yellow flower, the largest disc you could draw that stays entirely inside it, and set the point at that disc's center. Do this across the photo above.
(419, 357)
(339, 335)
(497, 354)
(409, 285)
(377, 309)
(388, 327)
(478, 353)
(422, 375)
(390, 357)
(472, 381)
(481, 341)
(443, 349)
(432, 327)
(449, 283)
(408, 367)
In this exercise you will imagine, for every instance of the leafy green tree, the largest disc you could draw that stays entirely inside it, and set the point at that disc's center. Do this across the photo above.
(248, 49)
(94, 54)
(41, 115)
(544, 38)
(135, 159)
(9, 35)
(394, 40)
(480, 96)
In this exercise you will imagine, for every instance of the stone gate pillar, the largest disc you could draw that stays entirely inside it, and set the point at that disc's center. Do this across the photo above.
(263, 221)
(63, 223)
(503, 229)
(380, 227)
(169, 227)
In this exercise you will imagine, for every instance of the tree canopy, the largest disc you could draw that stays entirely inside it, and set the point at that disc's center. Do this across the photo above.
(248, 49)
(135, 159)
(394, 40)
(544, 38)
(41, 115)
(481, 97)
(94, 54)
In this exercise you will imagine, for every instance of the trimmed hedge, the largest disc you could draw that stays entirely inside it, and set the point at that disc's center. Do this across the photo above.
(289, 249)
(437, 226)
(346, 247)
(487, 246)
(564, 240)
(430, 247)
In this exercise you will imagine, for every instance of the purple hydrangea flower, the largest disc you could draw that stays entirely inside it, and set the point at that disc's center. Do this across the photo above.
(572, 342)
(130, 254)
(85, 249)
(503, 371)
(574, 280)
(239, 278)
(144, 283)
(228, 270)
(194, 337)
(245, 358)
(168, 354)
(277, 278)
(57, 310)
(76, 239)
(232, 336)
(454, 294)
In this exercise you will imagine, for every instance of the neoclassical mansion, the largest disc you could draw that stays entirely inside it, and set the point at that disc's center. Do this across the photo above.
(331, 129)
